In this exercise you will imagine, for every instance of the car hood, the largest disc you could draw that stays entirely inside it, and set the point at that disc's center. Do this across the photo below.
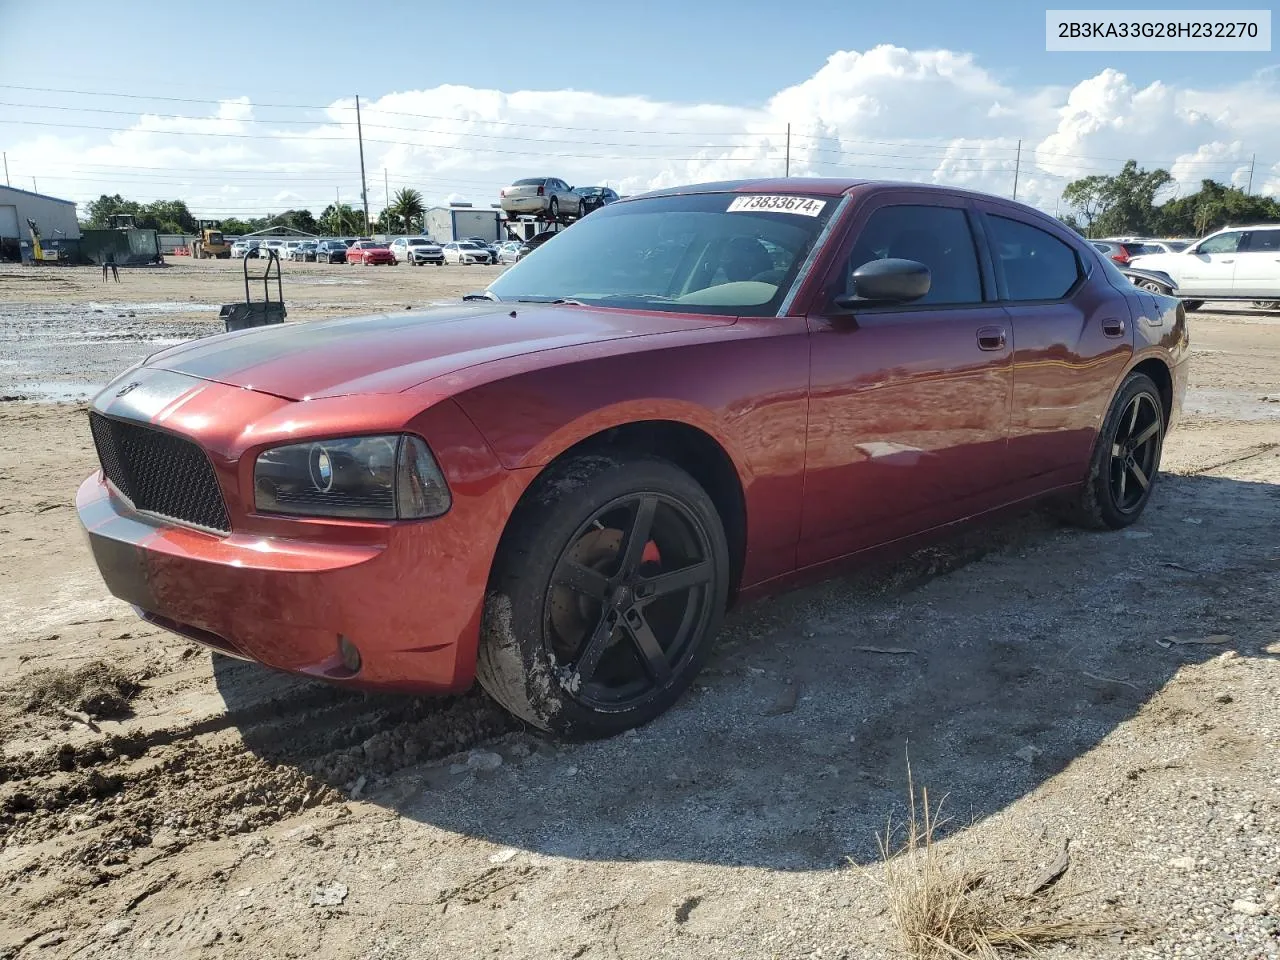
(390, 353)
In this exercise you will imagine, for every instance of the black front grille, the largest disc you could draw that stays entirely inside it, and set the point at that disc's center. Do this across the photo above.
(160, 473)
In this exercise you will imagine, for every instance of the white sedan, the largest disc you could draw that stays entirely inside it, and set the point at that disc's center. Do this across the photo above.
(465, 251)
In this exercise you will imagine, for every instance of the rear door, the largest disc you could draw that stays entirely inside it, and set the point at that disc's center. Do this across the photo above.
(1209, 267)
(909, 404)
(1257, 273)
(1072, 335)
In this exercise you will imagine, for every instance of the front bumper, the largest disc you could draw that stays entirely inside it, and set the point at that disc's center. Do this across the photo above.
(282, 591)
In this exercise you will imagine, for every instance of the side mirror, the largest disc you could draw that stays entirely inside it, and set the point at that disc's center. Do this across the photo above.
(886, 281)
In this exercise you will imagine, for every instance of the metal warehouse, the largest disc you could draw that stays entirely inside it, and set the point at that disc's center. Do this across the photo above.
(54, 218)
(461, 220)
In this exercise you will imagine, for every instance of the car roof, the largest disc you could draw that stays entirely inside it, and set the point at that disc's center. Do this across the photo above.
(817, 186)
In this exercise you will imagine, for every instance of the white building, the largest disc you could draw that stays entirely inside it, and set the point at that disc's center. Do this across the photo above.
(55, 219)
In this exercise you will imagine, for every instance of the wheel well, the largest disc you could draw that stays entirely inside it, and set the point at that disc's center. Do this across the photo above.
(1163, 379)
(699, 455)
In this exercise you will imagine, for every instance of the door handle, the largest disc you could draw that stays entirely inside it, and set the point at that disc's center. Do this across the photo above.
(1113, 327)
(1226, 261)
(991, 338)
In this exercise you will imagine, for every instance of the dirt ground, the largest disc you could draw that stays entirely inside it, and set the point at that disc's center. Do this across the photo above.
(1117, 693)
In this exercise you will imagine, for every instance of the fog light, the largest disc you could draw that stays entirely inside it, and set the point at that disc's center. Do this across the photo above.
(350, 655)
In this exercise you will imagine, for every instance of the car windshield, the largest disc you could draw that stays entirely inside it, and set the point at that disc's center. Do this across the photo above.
(722, 253)
(468, 244)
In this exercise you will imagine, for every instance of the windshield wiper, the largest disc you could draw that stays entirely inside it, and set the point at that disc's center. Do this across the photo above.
(482, 295)
(568, 300)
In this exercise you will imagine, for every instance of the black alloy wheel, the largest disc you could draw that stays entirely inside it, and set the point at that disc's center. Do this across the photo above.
(1125, 459)
(609, 584)
(1135, 452)
(630, 592)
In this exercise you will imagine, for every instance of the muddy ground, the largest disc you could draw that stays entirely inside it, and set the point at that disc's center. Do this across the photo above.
(1118, 691)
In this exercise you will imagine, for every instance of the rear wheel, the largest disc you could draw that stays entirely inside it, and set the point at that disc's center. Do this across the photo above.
(1266, 304)
(609, 584)
(1193, 305)
(553, 210)
(1126, 458)
(1153, 285)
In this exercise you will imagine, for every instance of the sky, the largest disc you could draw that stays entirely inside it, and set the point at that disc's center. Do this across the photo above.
(246, 111)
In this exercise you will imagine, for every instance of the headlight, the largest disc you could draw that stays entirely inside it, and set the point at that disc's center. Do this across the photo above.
(369, 478)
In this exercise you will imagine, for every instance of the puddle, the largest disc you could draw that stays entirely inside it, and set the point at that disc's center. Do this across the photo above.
(329, 281)
(55, 391)
(56, 352)
(1230, 404)
(174, 306)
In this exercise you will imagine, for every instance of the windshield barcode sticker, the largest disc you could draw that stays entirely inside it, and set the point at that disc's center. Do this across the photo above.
(762, 203)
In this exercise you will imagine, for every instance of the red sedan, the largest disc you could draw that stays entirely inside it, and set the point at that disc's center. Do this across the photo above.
(367, 252)
(689, 398)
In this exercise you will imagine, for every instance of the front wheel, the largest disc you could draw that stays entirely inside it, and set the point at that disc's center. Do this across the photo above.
(1266, 304)
(1192, 305)
(553, 210)
(1154, 286)
(610, 582)
(1126, 458)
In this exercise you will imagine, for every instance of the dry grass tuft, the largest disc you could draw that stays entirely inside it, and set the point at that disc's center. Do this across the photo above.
(944, 909)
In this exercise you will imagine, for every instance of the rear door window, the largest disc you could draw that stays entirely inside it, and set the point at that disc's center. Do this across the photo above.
(1036, 265)
(1261, 241)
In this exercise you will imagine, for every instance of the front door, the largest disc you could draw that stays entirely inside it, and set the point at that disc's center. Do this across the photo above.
(909, 404)
(1258, 266)
(1210, 266)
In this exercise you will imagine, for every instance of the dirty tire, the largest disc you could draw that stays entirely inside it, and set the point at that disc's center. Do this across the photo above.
(516, 664)
(1097, 506)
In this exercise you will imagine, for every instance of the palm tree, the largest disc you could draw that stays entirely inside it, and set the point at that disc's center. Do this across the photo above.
(408, 207)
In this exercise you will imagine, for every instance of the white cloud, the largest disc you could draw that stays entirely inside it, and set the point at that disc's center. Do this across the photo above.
(929, 115)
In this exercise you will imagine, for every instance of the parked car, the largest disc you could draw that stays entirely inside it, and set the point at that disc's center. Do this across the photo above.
(331, 251)
(1153, 244)
(301, 250)
(466, 251)
(541, 197)
(369, 252)
(593, 198)
(1236, 263)
(534, 242)
(238, 248)
(1122, 253)
(246, 248)
(693, 397)
(417, 251)
(509, 251)
(490, 245)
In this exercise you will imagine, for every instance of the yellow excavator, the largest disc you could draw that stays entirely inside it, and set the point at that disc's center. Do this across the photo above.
(212, 244)
(38, 253)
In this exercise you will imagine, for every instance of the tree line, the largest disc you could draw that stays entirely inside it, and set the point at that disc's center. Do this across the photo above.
(1125, 205)
(405, 215)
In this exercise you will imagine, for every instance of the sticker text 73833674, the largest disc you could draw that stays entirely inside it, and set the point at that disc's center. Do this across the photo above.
(765, 203)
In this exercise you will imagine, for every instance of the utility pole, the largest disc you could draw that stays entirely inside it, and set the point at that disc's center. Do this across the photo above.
(1017, 168)
(364, 184)
(788, 149)
(386, 190)
(34, 188)
(6, 171)
(1249, 189)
